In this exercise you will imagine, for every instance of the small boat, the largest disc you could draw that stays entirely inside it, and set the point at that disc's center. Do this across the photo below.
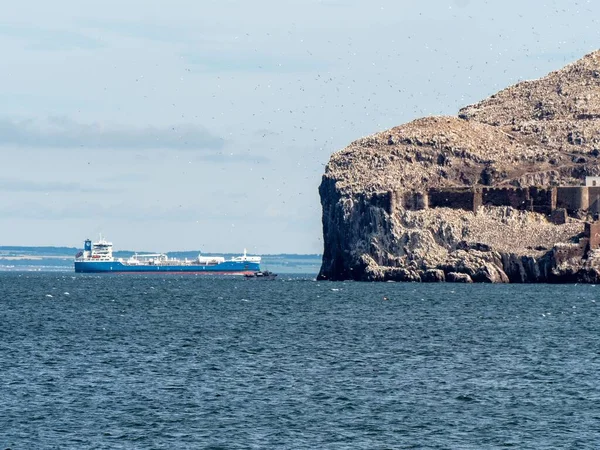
(262, 274)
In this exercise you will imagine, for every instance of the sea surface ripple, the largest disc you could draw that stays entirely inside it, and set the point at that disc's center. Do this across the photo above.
(188, 362)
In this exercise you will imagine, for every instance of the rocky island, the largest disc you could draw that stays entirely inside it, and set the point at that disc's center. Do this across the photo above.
(506, 191)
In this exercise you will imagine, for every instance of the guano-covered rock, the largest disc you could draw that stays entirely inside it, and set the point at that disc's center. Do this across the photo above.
(492, 195)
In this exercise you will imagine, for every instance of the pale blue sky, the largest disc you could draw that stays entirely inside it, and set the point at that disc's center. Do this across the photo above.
(207, 124)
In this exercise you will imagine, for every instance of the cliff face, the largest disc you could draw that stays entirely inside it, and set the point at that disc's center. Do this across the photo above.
(536, 133)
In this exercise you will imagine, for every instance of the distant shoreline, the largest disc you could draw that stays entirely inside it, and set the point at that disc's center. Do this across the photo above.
(23, 258)
(13, 251)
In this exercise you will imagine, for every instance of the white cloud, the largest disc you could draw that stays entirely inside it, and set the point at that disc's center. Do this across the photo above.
(13, 185)
(62, 132)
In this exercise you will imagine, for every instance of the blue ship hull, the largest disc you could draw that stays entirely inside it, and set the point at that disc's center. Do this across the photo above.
(224, 268)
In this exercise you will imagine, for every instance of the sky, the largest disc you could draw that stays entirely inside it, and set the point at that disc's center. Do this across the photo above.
(207, 124)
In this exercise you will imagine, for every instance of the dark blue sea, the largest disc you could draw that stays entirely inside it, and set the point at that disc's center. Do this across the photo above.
(188, 362)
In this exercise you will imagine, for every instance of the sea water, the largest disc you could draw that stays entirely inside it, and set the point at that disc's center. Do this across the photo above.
(191, 362)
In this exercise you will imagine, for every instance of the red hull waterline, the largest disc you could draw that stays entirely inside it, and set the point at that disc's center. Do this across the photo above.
(158, 272)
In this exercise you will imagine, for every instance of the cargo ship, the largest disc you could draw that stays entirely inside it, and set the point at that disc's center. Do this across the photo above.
(97, 257)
